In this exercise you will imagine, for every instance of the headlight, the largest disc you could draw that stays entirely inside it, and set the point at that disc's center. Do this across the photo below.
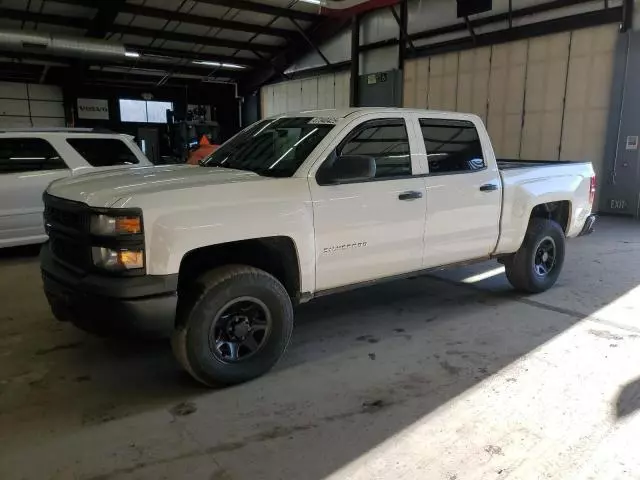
(122, 225)
(117, 260)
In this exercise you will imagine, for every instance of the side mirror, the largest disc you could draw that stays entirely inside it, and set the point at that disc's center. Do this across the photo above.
(348, 168)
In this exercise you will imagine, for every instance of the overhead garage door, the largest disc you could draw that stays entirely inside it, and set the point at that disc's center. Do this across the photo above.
(30, 105)
(588, 94)
(506, 97)
(547, 60)
(542, 98)
(325, 91)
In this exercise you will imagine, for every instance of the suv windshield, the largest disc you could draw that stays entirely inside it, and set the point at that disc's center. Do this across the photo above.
(273, 148)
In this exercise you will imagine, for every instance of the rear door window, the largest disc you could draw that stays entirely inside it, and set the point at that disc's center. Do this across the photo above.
(19, 155)
(103, 152)
(453, 146)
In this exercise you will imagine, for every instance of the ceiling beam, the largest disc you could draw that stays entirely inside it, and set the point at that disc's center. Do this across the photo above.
(207, 57)
(263, 8)
(206, 21)
(26, 16)
(125, 79)
(165, 52)
(19, 71)
(318, 34)
(140, 63)
(195, 39)
(105, 17)
(236, 4)
(139, 31)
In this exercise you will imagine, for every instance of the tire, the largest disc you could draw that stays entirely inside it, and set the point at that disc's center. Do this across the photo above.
(524, 267)
(216, 298)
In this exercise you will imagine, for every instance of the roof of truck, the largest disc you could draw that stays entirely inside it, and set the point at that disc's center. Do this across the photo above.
(345, 112)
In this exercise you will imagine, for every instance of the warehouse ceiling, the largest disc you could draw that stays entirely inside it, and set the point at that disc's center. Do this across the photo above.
(163, 41)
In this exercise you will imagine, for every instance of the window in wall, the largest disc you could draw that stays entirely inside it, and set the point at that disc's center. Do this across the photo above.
(384, 140)
(157, 111)
(142, 111)
(103, 152)
(28, 155)
(133, 111)
(452, 146)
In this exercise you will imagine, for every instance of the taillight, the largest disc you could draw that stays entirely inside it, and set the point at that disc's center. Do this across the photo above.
(592, 189)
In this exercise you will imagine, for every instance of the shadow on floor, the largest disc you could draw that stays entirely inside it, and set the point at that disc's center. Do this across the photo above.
(628, 401)
(19, 253)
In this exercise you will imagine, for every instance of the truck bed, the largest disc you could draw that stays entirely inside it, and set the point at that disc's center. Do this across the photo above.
(510, 163)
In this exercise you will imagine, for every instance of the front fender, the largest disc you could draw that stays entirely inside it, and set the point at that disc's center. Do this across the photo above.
(280, 207)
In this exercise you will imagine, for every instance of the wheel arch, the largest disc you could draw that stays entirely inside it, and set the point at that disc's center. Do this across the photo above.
(558, 211)
(275, 255)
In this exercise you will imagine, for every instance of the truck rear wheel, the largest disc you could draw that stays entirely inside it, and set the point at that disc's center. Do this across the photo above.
(235, 327)
(535, 267)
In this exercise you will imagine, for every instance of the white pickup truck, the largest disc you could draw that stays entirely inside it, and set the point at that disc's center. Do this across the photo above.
(294, 207)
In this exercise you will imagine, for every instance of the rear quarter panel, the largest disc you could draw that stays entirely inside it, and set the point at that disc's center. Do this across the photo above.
(524, 188)
(217, 214)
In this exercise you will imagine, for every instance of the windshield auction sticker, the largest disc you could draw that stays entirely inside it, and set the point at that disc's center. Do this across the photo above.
(324, 121)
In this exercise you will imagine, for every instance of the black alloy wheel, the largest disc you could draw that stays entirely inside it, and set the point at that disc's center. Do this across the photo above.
(545, 257)
(241, 328)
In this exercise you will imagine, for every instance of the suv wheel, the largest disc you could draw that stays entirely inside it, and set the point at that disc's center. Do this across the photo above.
(535, 267)
(236, 325)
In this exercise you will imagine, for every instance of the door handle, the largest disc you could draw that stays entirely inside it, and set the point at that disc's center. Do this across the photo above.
(489, 187)
(413, 195)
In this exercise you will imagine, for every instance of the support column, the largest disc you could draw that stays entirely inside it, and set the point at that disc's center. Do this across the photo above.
(355, 61)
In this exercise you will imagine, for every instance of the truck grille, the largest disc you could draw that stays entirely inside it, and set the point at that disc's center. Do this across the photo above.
(70, 253)
(69, 220)
(67, 225)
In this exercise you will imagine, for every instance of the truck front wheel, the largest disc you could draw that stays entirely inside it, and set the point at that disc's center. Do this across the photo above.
(235, 326)
(535, 267)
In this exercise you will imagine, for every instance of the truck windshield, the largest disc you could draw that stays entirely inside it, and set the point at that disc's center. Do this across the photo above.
(273, 148)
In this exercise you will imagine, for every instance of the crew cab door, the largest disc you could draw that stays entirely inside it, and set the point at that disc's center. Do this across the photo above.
(464, 190)
(371, 229)
(27, 166)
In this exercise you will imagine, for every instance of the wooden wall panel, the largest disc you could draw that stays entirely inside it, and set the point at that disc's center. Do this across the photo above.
(547, 63)
(588, 94)
(506, 97)
(322, 92)
(541, 98)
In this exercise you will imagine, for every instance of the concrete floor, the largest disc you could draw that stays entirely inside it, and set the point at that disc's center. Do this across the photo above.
(450, 377)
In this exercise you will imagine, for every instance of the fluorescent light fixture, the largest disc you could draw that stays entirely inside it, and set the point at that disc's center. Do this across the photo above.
(131, 54)
(315, 2)
(218, 64)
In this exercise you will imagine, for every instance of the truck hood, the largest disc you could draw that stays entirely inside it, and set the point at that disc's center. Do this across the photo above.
(104, 189)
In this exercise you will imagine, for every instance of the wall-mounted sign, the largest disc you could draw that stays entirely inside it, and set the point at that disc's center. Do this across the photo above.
(376, 78)
(632, 142)
(616, 204)
(93, 108)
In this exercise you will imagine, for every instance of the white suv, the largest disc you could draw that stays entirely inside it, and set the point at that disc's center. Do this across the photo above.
(31, 159)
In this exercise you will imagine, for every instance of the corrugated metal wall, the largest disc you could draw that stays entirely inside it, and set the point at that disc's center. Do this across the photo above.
(30, 105)
(325, 91)
(542, 98)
